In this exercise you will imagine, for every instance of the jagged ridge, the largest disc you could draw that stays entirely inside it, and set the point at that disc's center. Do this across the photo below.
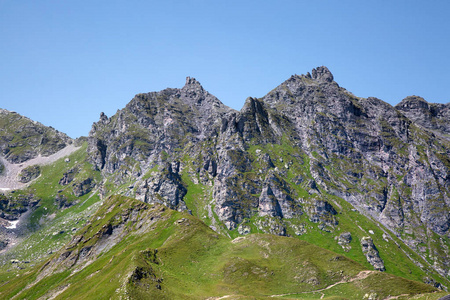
(284, 156)
(309, 159)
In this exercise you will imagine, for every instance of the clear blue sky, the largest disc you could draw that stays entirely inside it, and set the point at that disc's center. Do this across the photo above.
(64, 62)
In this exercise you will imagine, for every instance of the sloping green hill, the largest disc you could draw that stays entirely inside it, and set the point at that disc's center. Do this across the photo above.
(133, 250)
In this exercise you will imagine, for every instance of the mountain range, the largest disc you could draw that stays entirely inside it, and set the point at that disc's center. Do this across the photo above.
(308, 192)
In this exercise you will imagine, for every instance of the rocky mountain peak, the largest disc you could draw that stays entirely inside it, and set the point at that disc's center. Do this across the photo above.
(308, 159)
(322, 74)
(193, 92)
(192, 84)
(318, 75)
(198, 98)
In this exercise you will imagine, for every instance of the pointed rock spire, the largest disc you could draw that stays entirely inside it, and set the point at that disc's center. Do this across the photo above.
(191, 81)
(322, 74)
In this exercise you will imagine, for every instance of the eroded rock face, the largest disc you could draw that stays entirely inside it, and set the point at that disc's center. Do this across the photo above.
(286, 155)
(13, 205)
(165, 189)
(155, 123)
(322, 212)
(68, 176)
(275, 199)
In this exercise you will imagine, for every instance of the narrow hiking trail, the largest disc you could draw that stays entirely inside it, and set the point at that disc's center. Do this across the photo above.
(361, 275)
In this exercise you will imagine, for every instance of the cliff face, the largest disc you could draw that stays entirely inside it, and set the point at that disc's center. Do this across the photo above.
(288, 156)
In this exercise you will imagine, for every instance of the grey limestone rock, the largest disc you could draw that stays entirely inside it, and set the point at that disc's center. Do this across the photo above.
(371, 253)
(275, 199)
(63, 202)
(322, 74)
(429, 115)
(320, 211)
(13, 205)
(68, 176)
(244, 229)
(344, 240)
(166, 188)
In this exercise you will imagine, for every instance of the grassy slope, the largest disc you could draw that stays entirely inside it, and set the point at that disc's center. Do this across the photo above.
(397, 256)
(194, 262)
(49, 226)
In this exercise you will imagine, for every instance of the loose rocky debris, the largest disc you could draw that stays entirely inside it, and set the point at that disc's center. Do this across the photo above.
(9, 176)
(244, 229)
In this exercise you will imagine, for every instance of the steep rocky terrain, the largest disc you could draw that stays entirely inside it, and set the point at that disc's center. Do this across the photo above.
(286, 156)
(309, 161)
(24, 146)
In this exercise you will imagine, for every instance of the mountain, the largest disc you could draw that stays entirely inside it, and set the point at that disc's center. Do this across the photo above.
(305, 173)
(288, 154)
(22, 139)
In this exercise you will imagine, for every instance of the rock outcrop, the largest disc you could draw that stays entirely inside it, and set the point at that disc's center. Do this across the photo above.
(83, 187)
(344, 241)
(13, 205)
(29, 173)
(372, 254)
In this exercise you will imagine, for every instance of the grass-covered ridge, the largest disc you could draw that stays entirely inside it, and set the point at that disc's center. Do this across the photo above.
(147, 251)
(22, 138)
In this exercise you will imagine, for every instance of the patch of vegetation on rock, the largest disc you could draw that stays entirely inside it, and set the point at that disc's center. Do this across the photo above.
(29, 173)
